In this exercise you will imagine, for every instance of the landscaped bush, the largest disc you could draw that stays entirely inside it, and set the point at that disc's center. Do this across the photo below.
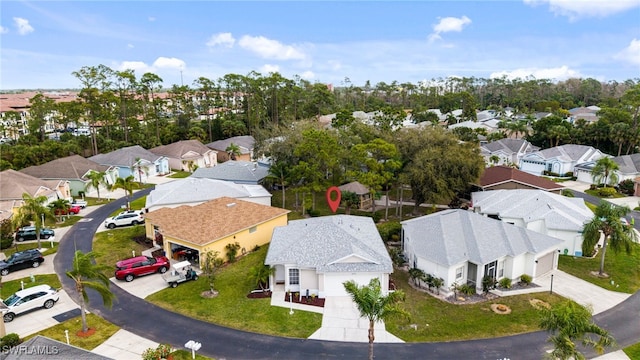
(525, 279)
(9, 341)
(505, 283)
(161, 352)
(467, 289)
(488, 283)
(626, 187)
(6, 229)
(6, 243)
(232, 251)
(607, 192)
(388, 229)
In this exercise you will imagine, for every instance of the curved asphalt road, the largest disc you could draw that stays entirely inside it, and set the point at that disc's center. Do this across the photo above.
(140, 317)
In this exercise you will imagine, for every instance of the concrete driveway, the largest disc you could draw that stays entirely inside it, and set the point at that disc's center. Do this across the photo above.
(34, 321)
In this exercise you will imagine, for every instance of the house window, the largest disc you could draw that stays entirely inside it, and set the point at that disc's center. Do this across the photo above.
(501, 269)
(253, 229)
(294, 276)
(459, 272)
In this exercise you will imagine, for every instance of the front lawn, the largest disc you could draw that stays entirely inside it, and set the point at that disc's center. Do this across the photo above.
(22, 246)
(437, 320)
(179, 174)
(10, 287)
(633, 351)
(623, 269)
(232, 308)
(104, 330)
(117, 244)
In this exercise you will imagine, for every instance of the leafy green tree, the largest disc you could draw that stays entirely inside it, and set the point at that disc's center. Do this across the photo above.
(374, 305)
(604, 172)
(233, 150)
(211, 262)
(569, 322)
(86, 274)
(96, 178)
(349, 199)
(60, 207)
(41, 110)
(260, 274)
(344, 118)
(279, 172)
(33, 209)
(606, 222)
(150, 83)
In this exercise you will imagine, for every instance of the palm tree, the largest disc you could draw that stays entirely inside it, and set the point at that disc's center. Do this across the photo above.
(60, 207)
(279, 171)
(373, 305)
(87, 274)
(233, 150)
(260, 275)
(96, 178)
(33, 209)
(604, 171)
(606, 221)
(127, 184)
(568, 322)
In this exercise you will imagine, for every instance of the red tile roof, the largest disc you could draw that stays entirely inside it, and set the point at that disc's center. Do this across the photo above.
(496, 175)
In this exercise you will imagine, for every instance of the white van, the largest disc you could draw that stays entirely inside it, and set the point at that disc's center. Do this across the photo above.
(81, 131)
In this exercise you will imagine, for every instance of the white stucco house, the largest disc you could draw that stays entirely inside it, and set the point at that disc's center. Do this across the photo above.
(541, 211)
(628, 168)
(560, 159)
(320, 254)
(507, 151)
(195, 191)
(134, 161)
(462, 247)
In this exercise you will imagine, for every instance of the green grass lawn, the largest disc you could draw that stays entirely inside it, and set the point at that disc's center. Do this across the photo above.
(633, 351)
(437, 320)
(232, 308)
(186, 355)
(22, 246)
(597, 194)
(623, 269)
(10, 287)
(104, 330)
(114, 245)
(179, 174)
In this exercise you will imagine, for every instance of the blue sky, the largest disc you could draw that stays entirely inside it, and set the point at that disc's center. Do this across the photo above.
(43, 42)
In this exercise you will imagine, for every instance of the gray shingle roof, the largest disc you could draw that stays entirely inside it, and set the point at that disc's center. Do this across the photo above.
(322, 242)
(568, 152)
(453, 236)
(558, 212)
(70, 167)
(237, 171)
(193, 190)
(43, 348)
(509, 146)
(126, 156)
(628, 164)
(246, 143)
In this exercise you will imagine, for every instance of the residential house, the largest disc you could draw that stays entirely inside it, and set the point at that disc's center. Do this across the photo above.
(547, 213)
(239, 172)
(41, 347)
(73, 169)
(363, 192)
(195, 191)
(559, 160)
(210, 226)
(589, 114)
(134, 160)
(13, 184)
(245, 143)
(506, 151)
(628, 168)
(505, 177)
(187, 155)
(462, 247)
(319, 254)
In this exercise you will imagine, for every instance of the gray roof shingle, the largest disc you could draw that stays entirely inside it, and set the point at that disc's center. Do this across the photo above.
(322, 243)
(70, 167)
(246, 143)
(242, 172)
(126, 156)
(193, 190)
(43, 348)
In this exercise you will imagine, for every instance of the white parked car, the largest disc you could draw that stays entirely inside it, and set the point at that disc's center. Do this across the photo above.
(41, 296)
(128, 218)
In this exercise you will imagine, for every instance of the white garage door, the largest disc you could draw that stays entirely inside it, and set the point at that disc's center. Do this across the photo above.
(544, 264)
(333, 282)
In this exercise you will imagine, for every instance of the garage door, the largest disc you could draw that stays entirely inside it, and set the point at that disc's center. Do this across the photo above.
(333, 282)
(544, 264)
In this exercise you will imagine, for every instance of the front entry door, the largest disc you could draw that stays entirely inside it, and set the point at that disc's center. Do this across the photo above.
(490, 269)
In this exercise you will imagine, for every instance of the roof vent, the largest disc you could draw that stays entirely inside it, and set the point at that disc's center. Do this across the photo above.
(231, 205)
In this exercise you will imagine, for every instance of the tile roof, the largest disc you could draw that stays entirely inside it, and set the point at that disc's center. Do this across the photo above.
(21, 101)
(454, 236)
(322, 242)
(185, 149)
(193, 190)
(246, 143)
(213, 220)
(126, 156)
(70, 167)
(500, 174)
(14, 183)
(354, 187)
(558, 212)
(236, 171)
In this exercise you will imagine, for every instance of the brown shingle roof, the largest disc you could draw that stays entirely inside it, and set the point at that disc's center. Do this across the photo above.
(70, 167)
(500, 174)
(179, 149)
(354, 187)
(13, 184)
(210, 221)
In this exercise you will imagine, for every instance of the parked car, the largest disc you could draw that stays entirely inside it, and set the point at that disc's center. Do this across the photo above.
(41, 296)
(81, 203)
(29, 233)
(137, 266)
(21, 260)
(180, 272)
(74, 209)
(141, 212)
(124, 220)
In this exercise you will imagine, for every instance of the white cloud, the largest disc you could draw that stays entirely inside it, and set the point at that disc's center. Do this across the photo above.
(575, 9)
(130, 46)
(631, 53)
(138, 66)
(448, 24)
(223, 39)
(268, 68)
(23, 26)
(3, 30)
(172, 63)
(270, 49)
(558, 73)
(308, 75)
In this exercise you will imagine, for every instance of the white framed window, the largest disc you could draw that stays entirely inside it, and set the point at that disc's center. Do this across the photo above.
(294, 276)
(459, 272)
(501, 269)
